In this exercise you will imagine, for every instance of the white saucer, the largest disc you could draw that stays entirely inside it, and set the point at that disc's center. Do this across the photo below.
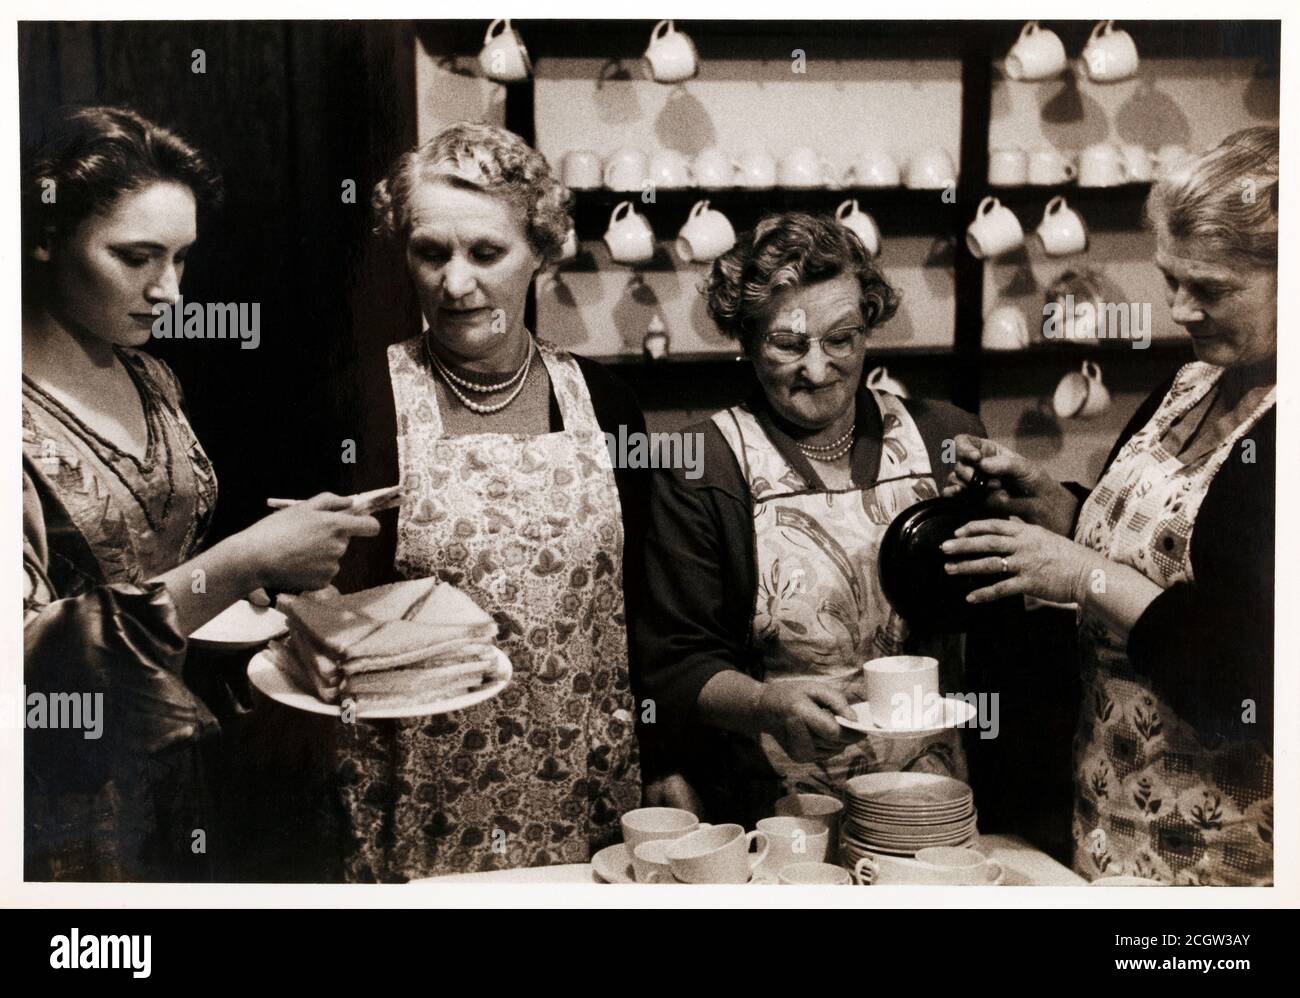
(954, 714)
(613, 865)
(241, 625)
(280, 685)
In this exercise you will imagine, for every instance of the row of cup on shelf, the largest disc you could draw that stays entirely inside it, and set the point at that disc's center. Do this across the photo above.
(1110, 54)
(996, 231)
(670, 56)
(754, 169)
(1103, 164)
(707, 233)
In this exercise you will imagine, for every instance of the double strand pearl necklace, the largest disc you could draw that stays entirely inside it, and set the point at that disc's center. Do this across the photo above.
(455, 383)
(829, 453)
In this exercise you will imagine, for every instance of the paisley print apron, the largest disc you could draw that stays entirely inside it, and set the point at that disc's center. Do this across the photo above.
(1151, 799)
(531, 528)
(820, 611)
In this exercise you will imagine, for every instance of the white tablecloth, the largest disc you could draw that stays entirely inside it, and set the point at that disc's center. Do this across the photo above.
(1025, 866)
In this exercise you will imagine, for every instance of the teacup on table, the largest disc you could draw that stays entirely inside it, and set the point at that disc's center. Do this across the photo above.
(814, 874)
(793, 840)
(648, 824)
(716, 855)
(650, 862)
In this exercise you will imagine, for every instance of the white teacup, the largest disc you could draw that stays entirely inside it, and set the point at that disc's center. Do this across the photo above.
(1138, 163)
(1006, 329)
(706, 235)
(878, 378)
(629, 236)
(931, 170)
(995, 231)
(717, 855)
(1102, 165)
(900, 688)
(1008, 167)
(504, 57)
(861, 224)
(1048, 166)
(650, 862)
(1062, 230)
(882, 869)
(649, 824)
(1037, 54)
(955, 864)
(582, 170)
(755, 169)
(803, 167)
(1081, 394)
(713, 168)
(794, 840)
(669, 170)
(1110, 54)
(625, 170)
(874, 168)
(670, 57)
(814, 874)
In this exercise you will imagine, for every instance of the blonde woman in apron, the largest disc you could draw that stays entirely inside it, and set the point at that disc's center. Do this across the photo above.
(1171, 562)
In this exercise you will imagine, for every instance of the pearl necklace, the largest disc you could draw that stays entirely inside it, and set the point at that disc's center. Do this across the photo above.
(831, 452)
(483, 410)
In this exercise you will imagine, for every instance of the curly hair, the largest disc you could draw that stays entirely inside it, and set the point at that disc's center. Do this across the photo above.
(89, 157)
(790, 250)
(483, 158)
(1225, 199)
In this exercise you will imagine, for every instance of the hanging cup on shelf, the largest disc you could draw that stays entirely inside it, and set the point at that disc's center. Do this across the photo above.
(1037, 54)
(504, 57)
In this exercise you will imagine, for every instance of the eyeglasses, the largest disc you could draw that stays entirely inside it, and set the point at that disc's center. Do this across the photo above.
(838, 343)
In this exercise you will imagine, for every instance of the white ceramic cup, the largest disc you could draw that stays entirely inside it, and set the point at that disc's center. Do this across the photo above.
(1048, 166)
(717, 855)
(625, 170)
(503, 57)
(995, 231)
(957, 865)
(803, 167)
(1061, 230)
(706, 235)
(1138, 163)
(1110, 54)
(1006, 329)
(814, 874)
(1008, 167)
(793, 840)
(901, 688)
(861, 224)
(669, 170)
(582, 170)
(1170, 158)
(755, 169)
(1102, 165)
(1081, 394)
(879, 379)
(650, 862)
(670, 57)
(713, 168)
(883, 870)
(1038, 54)
(820, 807)
(874, 168)
(931, 170)
(629, 236)
(648, 824)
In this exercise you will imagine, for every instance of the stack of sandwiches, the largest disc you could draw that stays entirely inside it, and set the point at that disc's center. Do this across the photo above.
(406, 644)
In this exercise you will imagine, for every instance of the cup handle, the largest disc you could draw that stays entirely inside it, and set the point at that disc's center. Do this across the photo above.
(866, 871)
(501, 22)
(986, 206)
(756, 859)
(877, 375)
(1053, 206)
(700, 208)
(1100, 28)
(849, 203)
(1030, 28)
(1071, 171)
(614, 216)
(657, 34)
(1092, 371)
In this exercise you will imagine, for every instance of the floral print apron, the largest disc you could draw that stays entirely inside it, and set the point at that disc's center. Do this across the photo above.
(531, 528)
(1151, 799)
(820, 611)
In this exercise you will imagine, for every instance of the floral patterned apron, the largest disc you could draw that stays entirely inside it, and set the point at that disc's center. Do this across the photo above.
(531, 528)
(1151, 799)
(820, 610)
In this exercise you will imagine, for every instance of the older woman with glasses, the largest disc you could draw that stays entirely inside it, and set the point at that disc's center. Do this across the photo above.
(763, 596)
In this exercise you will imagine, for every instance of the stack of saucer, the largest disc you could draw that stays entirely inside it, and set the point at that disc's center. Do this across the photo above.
(900, 813)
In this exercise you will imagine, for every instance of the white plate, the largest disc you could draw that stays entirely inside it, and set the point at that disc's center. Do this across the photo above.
(909, 790)
(613, 865)
(241, 625)
(955, 713)
(280, 686)
(857, 848)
